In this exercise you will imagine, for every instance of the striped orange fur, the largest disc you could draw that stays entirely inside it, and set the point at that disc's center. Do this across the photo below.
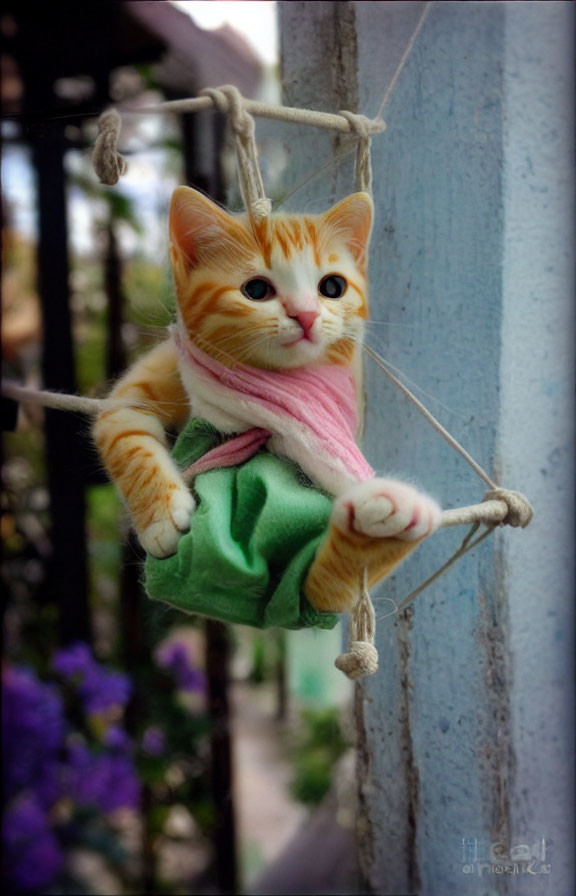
(214, 257)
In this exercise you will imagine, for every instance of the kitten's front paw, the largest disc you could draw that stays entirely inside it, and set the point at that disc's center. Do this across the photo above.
(385, 508)
(171, 518)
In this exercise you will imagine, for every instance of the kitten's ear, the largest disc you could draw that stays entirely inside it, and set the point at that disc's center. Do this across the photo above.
(351, 218)
(198, 227)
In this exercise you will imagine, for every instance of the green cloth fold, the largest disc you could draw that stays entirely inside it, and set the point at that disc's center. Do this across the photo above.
(252, 539)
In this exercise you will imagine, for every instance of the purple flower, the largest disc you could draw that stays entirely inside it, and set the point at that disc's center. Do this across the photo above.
(43, 764)
(77, 659)
(49, 785)
(174, 657)
(154, 741)
(33, 732)
(100, 688)
(32, 855)
(117, 739)
(106, 781)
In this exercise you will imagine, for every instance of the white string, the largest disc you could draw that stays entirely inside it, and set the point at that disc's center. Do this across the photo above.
(500, 505)
(405, 56)
(312, 117)
(387, 94)
(431, 418)
(110, 165)
(361, 659)
(227, 99)
(62, 401)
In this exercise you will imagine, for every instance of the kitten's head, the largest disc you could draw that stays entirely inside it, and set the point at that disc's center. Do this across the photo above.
(282, 293)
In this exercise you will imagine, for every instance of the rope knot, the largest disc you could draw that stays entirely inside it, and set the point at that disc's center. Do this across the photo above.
(361, 125)
(361, 660)
(228, 99)
(362, 657)
(520, 510)
(108, 164)
(363, 128)
(260, 208)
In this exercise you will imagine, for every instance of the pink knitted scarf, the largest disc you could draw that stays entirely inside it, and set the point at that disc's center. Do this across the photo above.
(319, 403)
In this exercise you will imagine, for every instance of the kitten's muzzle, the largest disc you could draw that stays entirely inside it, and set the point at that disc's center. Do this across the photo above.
(306, 319)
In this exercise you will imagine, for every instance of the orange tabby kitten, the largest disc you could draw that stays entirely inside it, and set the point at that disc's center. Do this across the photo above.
(288, 292)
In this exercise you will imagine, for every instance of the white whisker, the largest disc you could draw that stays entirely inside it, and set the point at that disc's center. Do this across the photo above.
(388, 323)
(414, 385)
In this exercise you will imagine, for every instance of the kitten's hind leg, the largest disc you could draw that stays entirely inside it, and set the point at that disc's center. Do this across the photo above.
(374, 525)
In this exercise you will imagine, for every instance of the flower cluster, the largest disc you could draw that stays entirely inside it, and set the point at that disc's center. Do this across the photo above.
(99, 688)
(33, 733)
(174, 657)
(49, 762)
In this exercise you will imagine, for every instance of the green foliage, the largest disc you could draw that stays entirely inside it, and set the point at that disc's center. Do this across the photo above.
(119, 206)
(90, 354)
(318, 745)
(104, 536)
(150, 297)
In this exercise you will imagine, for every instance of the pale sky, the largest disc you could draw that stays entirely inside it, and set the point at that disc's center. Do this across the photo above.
(254, 19)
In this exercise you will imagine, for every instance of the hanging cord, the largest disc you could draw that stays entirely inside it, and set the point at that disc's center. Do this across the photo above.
(515, 508)
(405, 56)
(500, 506)
(228, 99)
(468, 543)
(108, 164)
(362, 657)
(363, 127)
(430, 417)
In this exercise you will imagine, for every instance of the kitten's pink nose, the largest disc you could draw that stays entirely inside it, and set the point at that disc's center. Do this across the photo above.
(306, 319)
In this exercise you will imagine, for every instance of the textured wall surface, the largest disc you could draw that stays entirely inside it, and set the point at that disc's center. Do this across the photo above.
(465, 731)
(536, 431)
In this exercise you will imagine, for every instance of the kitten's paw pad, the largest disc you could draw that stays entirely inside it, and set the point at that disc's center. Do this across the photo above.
(171, 519)
(385, 508)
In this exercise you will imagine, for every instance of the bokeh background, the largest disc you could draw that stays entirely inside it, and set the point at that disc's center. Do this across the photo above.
(151, 752)
(144, 751)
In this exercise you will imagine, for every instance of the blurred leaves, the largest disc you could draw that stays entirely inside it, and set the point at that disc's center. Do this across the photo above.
(318, 744)
(118, 206)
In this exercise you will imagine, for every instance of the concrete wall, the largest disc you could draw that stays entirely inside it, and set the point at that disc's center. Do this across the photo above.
(465, 733)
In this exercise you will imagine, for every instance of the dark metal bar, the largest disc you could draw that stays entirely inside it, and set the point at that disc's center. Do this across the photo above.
(68, 571)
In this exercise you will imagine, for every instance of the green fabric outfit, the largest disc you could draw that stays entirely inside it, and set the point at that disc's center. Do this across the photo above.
(252, 539)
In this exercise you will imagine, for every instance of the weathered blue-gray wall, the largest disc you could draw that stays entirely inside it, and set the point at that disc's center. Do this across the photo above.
(536, 431)
(465, 734)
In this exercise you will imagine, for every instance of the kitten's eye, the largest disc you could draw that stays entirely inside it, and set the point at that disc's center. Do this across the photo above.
(258, 289)
(333, 286)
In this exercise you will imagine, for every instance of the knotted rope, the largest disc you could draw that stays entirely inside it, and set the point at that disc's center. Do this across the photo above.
(520, 510)
(108, 164)
(362, 657)
(227, 99)
(500, 506)
(363, 127)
